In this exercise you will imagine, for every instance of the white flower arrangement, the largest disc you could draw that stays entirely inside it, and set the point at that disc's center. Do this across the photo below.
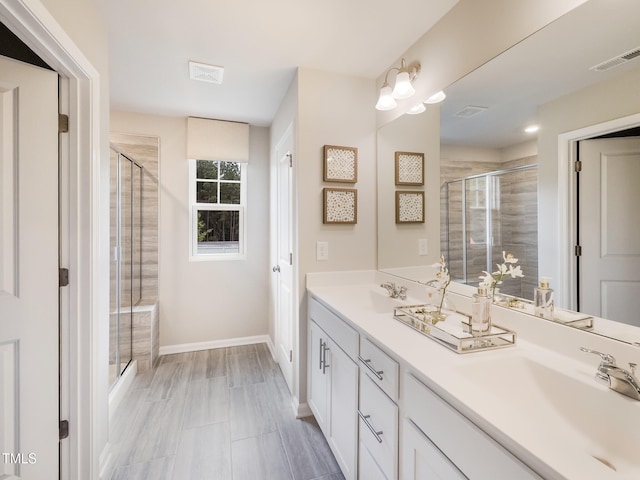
(508, 267)
(441, 282)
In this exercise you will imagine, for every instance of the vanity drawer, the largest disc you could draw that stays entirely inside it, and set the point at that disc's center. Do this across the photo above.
(379, 367)
(472, 451)
(341, 333)
(379, 427)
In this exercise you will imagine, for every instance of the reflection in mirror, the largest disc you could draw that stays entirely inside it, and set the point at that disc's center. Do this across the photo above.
(572, 76)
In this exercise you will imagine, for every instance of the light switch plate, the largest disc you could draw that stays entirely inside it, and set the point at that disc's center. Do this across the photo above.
(322, 251)
(423, 246)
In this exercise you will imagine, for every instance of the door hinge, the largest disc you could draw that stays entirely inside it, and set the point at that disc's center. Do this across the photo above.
(63, 277)
(291, 355)
(578, 166)
(291, 259)
(64, 429)
(578, 251)
(63, 123)
(290, 160)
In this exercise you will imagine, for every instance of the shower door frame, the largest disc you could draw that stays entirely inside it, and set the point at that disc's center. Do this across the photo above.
(117, 253)
(488, 214)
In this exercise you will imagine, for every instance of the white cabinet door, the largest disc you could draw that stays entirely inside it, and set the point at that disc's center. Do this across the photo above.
(368, 469)
(318, 383)
(421, 459)
(343, 394)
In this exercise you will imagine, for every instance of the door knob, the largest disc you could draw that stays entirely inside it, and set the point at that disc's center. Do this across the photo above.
(276, 268)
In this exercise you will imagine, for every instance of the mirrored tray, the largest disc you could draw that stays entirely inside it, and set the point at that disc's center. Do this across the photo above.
(454, 332)
(565, 317)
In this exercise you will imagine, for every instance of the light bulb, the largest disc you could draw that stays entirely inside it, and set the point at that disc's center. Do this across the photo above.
(403, 87)
(385, 100)
(416, 109)
(436, 97)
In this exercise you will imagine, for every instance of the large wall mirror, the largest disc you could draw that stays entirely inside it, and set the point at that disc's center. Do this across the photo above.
(492, 187)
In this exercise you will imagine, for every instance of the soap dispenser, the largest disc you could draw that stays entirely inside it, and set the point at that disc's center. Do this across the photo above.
(543, 299)
(481, 312)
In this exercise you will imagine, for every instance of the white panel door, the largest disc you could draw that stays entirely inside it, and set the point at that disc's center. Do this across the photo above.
(283, 268)
(609, 216)
(28, 271)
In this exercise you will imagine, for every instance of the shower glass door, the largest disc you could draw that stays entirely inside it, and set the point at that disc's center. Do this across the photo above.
(125, 292)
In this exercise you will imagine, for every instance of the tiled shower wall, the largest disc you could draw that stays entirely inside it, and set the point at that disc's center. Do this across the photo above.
(515, 226)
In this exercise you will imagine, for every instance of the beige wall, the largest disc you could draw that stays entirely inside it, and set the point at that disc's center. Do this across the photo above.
(328, 109)
(205, 301)
(398, 244)
(608, 101)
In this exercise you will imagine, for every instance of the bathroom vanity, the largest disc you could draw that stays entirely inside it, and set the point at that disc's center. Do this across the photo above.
(394, 404)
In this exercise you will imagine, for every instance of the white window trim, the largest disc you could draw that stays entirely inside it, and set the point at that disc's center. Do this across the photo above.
(194, 206)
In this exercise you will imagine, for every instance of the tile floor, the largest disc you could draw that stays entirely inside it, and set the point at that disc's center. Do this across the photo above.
(216, 414)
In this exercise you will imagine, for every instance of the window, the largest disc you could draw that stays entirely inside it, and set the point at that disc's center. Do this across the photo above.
(218, 203)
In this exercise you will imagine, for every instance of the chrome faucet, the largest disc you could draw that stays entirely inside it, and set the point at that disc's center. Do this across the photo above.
(395, 291)
(618, 379)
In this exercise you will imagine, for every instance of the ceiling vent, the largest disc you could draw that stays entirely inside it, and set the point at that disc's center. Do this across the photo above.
(205, 73)
(470, 111)
(618, 60)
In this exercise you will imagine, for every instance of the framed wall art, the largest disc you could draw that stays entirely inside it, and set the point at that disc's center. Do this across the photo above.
(409, 168)
(340, 164)
(409, 206)
(340, 205)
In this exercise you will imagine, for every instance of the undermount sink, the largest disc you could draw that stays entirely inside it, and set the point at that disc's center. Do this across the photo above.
(568, 406)
(371, 297)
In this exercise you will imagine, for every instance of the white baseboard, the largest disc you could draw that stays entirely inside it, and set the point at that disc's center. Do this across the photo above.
(231, 342)
(121, 387)
(301, 410)
(272, 348)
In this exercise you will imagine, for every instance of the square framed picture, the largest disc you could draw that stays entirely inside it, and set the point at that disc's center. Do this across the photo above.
(409, 168)
(340, 164)
(340, 205)
(409, 206)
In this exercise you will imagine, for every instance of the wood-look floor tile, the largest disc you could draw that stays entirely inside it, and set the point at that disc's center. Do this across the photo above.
(204, 453)
(178, 357)
(262, 457)
(207, 402)
(209, 364)
(125, 414)
(241, 349)
(156, 469)
(170, 379)
(308, 452)
(266, 360)
(251, 411)
(243, 369)
(333, 476)
(154, 431)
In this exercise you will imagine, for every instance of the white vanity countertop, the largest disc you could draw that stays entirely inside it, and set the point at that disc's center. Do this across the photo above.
(494, 396)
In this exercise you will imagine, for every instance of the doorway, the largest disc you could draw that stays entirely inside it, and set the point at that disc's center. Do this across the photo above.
(83, 387)
(608, 226)
(282, 255)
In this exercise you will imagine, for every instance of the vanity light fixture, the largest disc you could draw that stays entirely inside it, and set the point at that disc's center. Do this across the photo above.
(402, 87)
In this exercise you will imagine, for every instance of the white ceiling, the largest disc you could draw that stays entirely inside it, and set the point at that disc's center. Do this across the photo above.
(258, 42)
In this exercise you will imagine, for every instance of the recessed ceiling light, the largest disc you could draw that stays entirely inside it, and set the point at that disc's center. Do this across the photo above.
(532, 129)
(203, 72)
